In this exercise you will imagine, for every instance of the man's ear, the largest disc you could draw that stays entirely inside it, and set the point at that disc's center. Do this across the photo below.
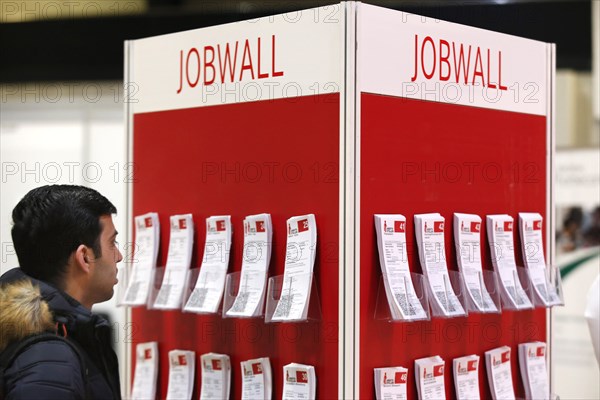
(83, 257)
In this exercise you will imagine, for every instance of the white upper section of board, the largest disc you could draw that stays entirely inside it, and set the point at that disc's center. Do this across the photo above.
(302, 53)
(282, 56)
(406, 55)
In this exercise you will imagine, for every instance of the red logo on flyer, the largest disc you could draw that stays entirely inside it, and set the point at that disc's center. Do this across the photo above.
(301, 376)
(182, 224)
(181, 360)
(438, 370)
(508, 226)
(257, 368)
(400, 377)
(303, 225)
(537, 225)
(216, 365)
(475, 226)
(260, 226)
(147, 354)
(541, 351)
(399, 226)
(148, 222)
(472, 365)
(506, 356)
(220, 225)
(438, 226)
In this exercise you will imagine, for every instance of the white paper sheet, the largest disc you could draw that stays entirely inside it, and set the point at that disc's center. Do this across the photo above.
(208, 291)
(390, 383)
(467, 234)
(299, 382)
(145, 253)
(181, 374)
(399, 289)
(466, 377)
(257, 382)
(298, 269)
(256, 256)
(532, 362)
(216, 376)
(429, 374)
(429, 229)
(500, 235)
(499, 373)
(179, 258)
(146, 371)
(533, 252)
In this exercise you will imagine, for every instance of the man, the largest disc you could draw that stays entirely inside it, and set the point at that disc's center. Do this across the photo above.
(65, 241)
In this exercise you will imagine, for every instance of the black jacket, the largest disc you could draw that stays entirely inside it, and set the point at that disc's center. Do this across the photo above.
(51, 369)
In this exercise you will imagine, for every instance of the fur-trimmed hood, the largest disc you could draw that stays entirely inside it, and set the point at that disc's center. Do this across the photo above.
(23, 312)
(29, 306)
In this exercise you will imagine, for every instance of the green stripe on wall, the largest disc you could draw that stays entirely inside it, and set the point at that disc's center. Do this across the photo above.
(572, 266)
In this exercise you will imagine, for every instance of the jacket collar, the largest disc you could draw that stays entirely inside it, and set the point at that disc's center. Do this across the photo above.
(66, 309)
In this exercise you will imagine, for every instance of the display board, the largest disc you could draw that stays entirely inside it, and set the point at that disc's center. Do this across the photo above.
(344, 112)
(452, 119)
(264, 138)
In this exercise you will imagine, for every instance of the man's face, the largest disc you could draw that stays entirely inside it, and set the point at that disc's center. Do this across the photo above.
(104, 268)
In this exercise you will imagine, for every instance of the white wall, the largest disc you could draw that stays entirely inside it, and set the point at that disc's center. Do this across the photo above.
(70, 134)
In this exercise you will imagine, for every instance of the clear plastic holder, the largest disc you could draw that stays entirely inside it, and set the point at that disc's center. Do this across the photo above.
(457, 284)
(155, 284)
(157, 279)
(383, 310)
(553, 281)
(124, 275)
(188, 289)
(488, 281)
(554, 278)
(520, 275)
(232, 286)
(274, 289)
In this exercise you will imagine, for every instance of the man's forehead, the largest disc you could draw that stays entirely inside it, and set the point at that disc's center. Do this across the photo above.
(107, 225)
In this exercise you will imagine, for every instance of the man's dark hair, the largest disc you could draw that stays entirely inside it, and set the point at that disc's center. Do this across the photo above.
(50, 222)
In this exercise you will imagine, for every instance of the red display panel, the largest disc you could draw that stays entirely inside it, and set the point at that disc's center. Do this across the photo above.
(277, 156)
(420, 157)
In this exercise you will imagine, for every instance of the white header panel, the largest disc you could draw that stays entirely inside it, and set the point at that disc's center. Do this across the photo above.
(406, 55)
(283, 56)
